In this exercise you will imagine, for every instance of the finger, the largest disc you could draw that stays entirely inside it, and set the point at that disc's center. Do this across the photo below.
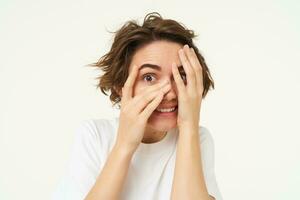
(178, 80)
(148, 97)
(149, 89)
(187, 68)
(152, 106)
(128, 86)
(194, 64)
(198, 68)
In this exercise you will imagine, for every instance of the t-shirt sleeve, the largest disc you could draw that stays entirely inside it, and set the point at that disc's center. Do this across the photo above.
(208, 163)
(84, 164)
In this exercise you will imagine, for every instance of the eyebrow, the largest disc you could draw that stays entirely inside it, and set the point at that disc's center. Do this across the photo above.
(152, 66)
(157, 67)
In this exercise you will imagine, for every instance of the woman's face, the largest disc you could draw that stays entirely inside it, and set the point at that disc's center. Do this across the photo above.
(156, 59)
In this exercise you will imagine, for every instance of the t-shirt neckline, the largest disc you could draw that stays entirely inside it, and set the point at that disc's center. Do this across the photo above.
(166, 144)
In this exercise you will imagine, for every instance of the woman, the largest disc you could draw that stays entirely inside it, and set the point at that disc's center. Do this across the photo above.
(155, 149)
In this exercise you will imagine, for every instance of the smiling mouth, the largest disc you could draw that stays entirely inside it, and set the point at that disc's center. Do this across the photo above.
(166, 110)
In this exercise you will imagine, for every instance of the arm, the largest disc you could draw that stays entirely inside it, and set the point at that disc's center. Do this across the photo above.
(134, 114)
(188, 182)
(111, 179)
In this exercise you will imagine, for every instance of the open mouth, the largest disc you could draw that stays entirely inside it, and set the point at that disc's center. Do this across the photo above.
(167, 111)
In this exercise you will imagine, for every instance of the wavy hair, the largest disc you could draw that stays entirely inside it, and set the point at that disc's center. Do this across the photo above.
(130, 37)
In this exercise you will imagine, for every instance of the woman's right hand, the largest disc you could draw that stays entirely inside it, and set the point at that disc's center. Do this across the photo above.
(136, 110)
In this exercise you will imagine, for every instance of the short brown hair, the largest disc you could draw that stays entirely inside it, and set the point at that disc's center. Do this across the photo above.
(130, 37)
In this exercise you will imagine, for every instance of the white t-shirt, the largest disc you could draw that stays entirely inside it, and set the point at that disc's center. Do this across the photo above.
(151, 171)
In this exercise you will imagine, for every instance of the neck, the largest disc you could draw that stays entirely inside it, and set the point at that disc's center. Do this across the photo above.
(152, 136)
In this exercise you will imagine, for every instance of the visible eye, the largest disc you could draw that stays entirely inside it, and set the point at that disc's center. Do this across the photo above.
(183, 76)
(148, 77)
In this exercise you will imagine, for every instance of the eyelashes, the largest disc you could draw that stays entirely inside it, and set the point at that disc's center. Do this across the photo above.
(149, 77)
(183, 75)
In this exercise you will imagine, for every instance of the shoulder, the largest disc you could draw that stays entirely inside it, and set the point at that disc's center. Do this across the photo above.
(100, 132)
(96, 127)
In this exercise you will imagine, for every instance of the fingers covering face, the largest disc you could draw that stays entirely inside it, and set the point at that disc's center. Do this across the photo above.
(152, 106)
(178, 80)
(148, 97)
(193, 59)
(128, 86)
(191, 63)
(191, 79)
(139, 101)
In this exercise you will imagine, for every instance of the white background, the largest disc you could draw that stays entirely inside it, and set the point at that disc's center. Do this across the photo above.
(252, 49)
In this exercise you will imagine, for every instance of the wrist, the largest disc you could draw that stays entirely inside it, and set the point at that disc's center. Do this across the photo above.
(188, 126)
(123, 148)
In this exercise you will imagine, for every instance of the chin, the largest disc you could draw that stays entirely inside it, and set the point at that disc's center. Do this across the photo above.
(161, 124)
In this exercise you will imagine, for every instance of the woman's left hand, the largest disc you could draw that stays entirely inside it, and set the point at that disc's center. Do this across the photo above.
(189, 94)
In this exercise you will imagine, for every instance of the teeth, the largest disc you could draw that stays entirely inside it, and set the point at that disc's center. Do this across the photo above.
(166, 109)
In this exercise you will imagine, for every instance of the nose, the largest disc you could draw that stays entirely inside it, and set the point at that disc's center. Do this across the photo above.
(172, 93)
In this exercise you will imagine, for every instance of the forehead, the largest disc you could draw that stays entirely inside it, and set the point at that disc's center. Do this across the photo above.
(161, 53)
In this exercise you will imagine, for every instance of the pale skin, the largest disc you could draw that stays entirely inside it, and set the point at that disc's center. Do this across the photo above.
(138, 123)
